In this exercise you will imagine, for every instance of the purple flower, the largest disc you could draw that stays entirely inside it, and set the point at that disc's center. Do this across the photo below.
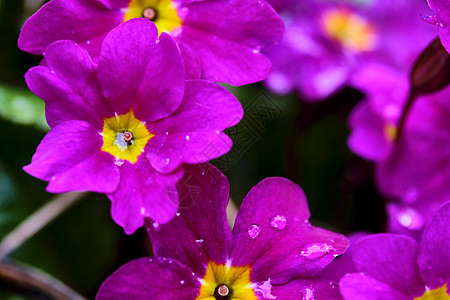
(442, 19)
(219, 40)
(126, 126)
(396, 267)
(417, 172)
(374, 121)
(326, 42)
(272, 253)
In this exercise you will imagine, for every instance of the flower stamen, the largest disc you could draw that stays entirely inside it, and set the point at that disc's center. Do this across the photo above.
(149, 13)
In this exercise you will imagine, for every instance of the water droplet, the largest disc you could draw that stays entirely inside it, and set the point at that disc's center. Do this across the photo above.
(199, 242)
(254, 230)
(410, 218)
(53, 178)
(143, 211)
(255, 51)
(278, 222)
(307, 223)
(265, 289)
(308, 293)
(166, 161)
(316, 250)
(177, 214)
(119, 162)
(182, 281)
(167, 133)
(188, 137)
(156, 226)
(88, 42)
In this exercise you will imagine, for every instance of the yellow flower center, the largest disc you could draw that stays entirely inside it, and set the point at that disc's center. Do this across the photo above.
(390, 131)
(226, 282)
(125, 137)
(161, 12)
(349, 29)
(436, 294)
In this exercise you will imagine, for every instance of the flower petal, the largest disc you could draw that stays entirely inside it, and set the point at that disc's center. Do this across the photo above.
(150, 278)
(307, 288)
(252, 23)
(434, 253)
(200, 231)
(272, 233)
(76, 20)
(194, 130)
(363, 287)
(68, 85)
(143, 192)
(390, 259)
(69, 157)
(224, 60)
(137, 71)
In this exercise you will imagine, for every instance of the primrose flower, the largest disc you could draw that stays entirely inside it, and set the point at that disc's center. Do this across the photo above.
(327, 41)
(417, 172)
(374, 121)
(219, 40)
(273, 251)
(126, 126)
(396, 267)
(441, 8)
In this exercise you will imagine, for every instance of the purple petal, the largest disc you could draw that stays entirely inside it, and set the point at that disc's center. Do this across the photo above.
(252, 23)
(200, 231)
(192, 63)
(390, 259)
(363, 287)
(224, 60)
(76, 20)
(307, 289)
(194, 130)
(367, 138)
(68, 85)
(136, 72)
(150, 278)
(272, 233)
(143, 192)
(343, 264)
(70, 158)
(434, 253)
(442, 10)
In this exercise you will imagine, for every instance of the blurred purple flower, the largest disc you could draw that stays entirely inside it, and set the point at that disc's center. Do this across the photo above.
(272, 253)
(326, 42)
(417, 171)
(374, 121)
(219, 40)
(396, 267)
(126, 126)
(442, 19)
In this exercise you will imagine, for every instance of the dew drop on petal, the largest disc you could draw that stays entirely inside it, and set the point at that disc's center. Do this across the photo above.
(199, 242)
(265, 289)
(278, 222)
(156, 226)
(188, 137)
(254, 230)
(177, 214)
(411, 219)
(308, 293)
(314, 251)
(182, 281)
(167, 161)
(143, 211)
(53, 178)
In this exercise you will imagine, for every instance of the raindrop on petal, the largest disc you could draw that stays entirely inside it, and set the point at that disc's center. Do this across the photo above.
(182, 281)
(278, 222)
(156, 226)
(316, 250)
(308, 293)
(410, 218)
(188, 137)
(254, 230)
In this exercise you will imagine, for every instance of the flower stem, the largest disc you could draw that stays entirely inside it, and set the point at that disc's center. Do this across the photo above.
(37, 221)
